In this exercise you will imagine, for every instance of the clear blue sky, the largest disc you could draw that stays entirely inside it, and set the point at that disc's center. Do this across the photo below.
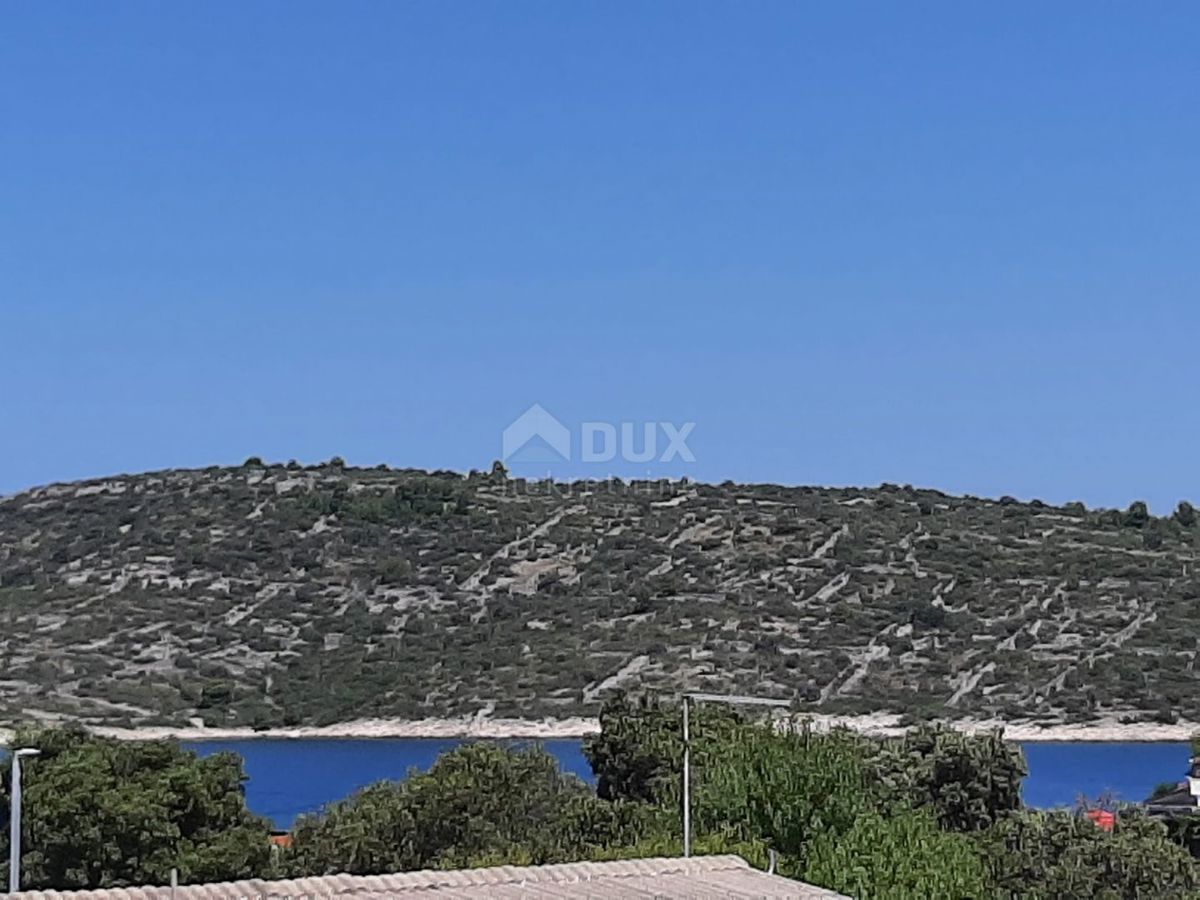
(950, 244)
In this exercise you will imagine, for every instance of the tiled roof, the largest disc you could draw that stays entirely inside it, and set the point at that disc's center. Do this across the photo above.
(664, 879)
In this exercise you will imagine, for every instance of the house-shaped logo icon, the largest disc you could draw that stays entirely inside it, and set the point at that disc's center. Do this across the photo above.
(536, 437)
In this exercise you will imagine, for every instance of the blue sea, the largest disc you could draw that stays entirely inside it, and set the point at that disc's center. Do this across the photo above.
(288, 778)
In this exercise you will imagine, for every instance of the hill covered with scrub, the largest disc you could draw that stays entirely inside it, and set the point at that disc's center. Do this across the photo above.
(272, 595)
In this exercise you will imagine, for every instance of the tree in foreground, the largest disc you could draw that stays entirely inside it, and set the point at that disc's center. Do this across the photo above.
(480, 804)
(934, 814)
(638, 754)
(901, 856)
(1059, 854)
(99, 813)
(783, 787)
(969, 781)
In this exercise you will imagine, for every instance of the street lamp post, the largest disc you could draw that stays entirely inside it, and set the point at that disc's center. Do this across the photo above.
(14, 821)
(728, 700)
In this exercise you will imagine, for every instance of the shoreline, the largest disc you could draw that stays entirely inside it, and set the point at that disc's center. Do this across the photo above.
(575, 728)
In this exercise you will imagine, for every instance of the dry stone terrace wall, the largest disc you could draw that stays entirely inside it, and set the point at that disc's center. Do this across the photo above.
(273, 595)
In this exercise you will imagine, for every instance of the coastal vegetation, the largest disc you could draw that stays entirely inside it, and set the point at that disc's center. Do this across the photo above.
(936, 814)
(99, 812)
(283, 595)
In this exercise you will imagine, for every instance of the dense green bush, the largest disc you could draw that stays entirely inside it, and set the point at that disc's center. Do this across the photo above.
(901, 856)
(793, 791)
(934, 814)
(479, 803)
(1059, 854)
(638, 754)
(969, 781)
(100, 812)
(1138, 515)
(783, 787)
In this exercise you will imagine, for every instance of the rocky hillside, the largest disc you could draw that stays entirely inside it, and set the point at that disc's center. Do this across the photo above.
(271, 595)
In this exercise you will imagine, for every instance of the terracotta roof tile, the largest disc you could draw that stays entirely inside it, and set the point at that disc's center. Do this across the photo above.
(725, 877)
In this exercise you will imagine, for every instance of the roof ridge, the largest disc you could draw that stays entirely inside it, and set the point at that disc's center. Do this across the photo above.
(343, 884)
(570, 871)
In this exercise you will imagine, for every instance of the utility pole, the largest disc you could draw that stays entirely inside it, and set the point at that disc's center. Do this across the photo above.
(728, 700)
(687, 783)
(14, 819)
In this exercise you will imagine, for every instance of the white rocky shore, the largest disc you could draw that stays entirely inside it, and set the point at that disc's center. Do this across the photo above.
(879, 724)
(1102, 729)
(466, 727)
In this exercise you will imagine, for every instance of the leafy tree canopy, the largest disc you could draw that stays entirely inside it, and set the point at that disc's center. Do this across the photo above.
(1058, 854)
(480, 804)
(969, 781)
(99, 812)
(783, 787)
(935, 813)
(903, 856)
(638, 754)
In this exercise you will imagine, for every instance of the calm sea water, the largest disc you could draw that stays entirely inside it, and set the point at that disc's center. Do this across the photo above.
(288, 778)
